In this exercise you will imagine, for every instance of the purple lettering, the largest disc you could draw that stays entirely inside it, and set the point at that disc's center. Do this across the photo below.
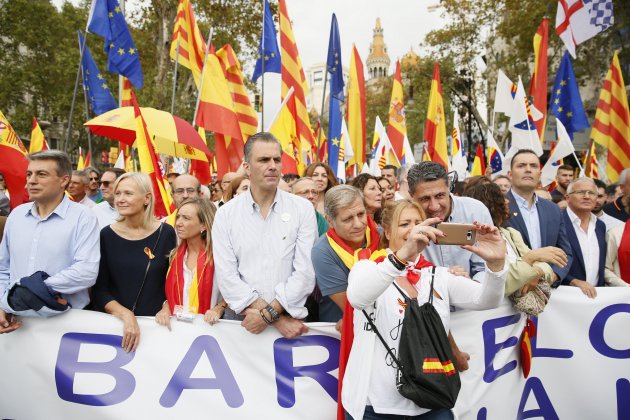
(286, 372)
(596, 331)
(545, 408)
(492, 348)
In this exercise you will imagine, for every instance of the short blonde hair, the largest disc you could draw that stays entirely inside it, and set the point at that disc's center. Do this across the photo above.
(143, 182)
(391, 216)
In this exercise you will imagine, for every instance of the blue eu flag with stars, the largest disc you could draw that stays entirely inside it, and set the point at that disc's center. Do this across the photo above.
(96, 88)
(107, 20)
(333, 63)
(268, 48)
(334, 132)
(566, 103)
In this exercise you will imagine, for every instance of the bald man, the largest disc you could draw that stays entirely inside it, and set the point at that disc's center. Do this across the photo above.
(184, 187)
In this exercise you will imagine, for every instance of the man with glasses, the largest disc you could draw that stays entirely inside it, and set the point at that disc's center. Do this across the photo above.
(305, 187)
(538, 220)
(93, 192)
(105, 211)
(185, 186)
(587, 236)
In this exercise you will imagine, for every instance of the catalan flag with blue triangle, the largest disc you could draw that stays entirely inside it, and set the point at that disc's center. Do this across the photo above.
(566, 103)
(107, 20)
(96, 88)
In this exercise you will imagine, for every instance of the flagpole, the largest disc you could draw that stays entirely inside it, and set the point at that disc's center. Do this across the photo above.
(262, 68)
(284, 102)
(175, 78)
(87, 117)
(579, 165)
(74, 94)
(321, 125)
(203, 71)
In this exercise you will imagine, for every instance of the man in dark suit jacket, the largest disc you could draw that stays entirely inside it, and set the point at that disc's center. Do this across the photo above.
(538, 220)
(587, 236)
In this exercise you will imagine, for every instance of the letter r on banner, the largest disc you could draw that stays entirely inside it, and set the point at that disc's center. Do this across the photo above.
(68, 366)
(286, 372)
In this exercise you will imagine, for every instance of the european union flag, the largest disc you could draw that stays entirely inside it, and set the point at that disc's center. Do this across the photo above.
(334, 132)
(96, 89)
(268, 48)
(334, 62)
(107, 20)
(566, 103)
(495, 160)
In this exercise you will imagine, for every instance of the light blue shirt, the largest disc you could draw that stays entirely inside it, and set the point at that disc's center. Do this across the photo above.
(463, 210)
(65, 245)
(530, 217)
(105, 214)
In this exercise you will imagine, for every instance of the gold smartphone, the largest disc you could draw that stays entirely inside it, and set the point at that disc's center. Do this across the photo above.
(457, 234)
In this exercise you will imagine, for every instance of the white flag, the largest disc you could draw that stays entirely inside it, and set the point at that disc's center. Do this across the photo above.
(408, 152)
(503, 99)
(582, 20)
(381, 147)
(564, 148)
(459, 162)
(522, 127)
(346, 146)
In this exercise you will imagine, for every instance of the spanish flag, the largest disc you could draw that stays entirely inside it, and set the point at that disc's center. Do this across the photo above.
(396, 128)
(125, 94)
(479, 164)
(81, 162)
(611, 127)
(293, 75)
(13, 162)
(192, 47)
(529, 333)
(286, 131)
(38, 141)
(538, 84)
(150, 164)
(356, 109)
(435, 126)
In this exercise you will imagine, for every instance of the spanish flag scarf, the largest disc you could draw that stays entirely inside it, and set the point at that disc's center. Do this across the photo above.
(200, 292)
(349, 257)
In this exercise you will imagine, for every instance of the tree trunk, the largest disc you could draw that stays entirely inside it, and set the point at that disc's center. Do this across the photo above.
(165, 11)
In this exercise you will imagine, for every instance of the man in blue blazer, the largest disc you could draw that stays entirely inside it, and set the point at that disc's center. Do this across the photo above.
(587, 236)
(538, 220)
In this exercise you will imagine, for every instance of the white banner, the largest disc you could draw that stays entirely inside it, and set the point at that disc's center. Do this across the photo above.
(72, 366)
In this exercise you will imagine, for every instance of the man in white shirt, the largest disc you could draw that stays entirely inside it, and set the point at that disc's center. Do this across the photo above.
(587, 236)
(78, 188)
(105, 211)
(261, 243)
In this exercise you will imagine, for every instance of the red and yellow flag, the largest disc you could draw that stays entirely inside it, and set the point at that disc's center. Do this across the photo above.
(529, 333)
(201, 169)
(293, 75)
(479, 164)
(13, 162)
(538, 84)
(38, 141)
(192, 47)
(435, 126)
(611, 128)
(88, 160)
(396, 128)
(81, 162)
(286, 131)
(125, 94)
(150, 164)
(356, 109)
(247, 115)
(591, 166)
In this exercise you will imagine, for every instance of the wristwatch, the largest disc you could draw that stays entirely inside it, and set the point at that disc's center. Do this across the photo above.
(272, 312)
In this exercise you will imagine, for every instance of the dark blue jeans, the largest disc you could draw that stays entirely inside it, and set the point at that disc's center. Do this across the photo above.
(441, 414)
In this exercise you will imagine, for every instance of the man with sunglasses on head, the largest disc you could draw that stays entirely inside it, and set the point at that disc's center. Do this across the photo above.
(93, 191)
(105, 211)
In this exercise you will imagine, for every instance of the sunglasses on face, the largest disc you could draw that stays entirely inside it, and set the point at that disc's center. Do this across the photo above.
(105, 184)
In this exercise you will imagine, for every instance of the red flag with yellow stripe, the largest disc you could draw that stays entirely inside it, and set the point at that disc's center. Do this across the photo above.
(479, 164)
(397, 128)
(150, 164)
(13, 162)
(435, 126)
(38, 141)
(538, 84)
(356, 109)
(611, 127)
(529, 333)
(284, 128)
(293, 75)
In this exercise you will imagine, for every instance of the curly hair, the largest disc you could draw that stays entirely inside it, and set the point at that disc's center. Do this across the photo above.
(491, 196)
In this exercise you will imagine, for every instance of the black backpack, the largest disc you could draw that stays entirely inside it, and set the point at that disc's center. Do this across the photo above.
(426, 372)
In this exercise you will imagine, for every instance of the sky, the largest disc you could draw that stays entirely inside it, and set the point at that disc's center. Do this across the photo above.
(405, 24)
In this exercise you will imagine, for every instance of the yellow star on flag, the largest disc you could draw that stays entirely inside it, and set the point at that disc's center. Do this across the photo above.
(132, 51)
(121, 51)
(563, 82)
(104, 86)
(100, 76)
(335, 142)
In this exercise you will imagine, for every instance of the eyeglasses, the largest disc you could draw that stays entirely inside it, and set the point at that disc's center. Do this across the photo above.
(105, 183)
(584, 193)
(93, 179)
(181, 191)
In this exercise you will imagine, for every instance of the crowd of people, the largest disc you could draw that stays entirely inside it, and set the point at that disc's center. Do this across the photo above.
(276, 252)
